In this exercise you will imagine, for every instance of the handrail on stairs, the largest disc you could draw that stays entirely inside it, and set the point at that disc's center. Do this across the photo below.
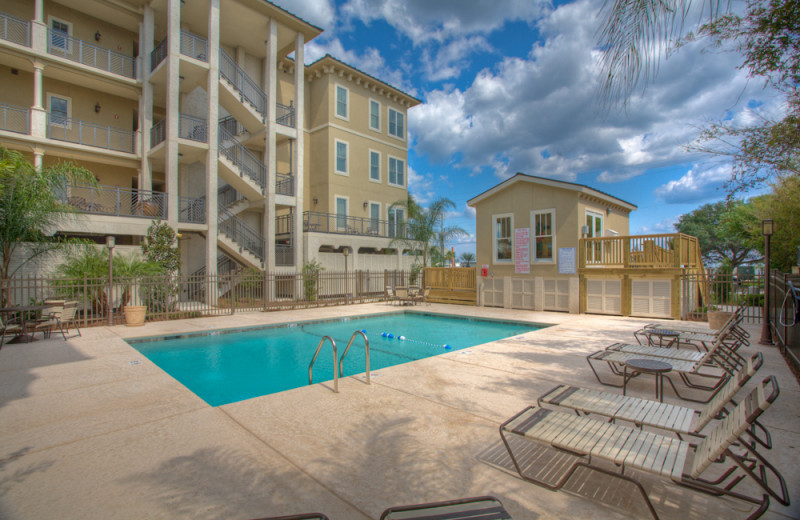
(335, 373)
(366, 347)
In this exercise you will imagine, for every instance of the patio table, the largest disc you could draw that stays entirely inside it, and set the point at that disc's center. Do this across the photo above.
(6, 311)
(646, 366)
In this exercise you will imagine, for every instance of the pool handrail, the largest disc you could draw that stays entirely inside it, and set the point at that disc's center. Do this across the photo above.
(366, 347)
(335, 373)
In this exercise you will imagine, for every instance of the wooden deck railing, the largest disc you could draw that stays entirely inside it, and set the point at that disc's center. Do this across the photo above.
(674, 250)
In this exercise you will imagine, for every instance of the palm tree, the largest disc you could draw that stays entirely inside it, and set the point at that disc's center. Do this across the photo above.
(421, 232)
(467, 259)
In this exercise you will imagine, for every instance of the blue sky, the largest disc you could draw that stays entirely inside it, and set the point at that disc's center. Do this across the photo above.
(511, 86)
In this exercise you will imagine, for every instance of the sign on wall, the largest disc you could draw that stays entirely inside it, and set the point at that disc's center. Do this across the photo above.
(522, 250)
(566, 260)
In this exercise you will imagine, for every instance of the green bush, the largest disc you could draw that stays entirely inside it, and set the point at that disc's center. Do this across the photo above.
(311, 272)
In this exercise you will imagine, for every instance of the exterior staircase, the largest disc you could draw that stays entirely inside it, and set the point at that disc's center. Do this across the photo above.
(240, 167)
(240, 95)
(240, 241)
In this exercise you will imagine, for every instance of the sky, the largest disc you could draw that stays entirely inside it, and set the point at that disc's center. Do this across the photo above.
(512, 86)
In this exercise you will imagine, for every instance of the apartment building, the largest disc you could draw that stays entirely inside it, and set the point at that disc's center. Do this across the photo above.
(202, 113)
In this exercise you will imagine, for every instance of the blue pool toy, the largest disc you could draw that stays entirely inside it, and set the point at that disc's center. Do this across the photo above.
(364, 331)
(401, 337)
(390, 336)
(383, 334)
(447, 346)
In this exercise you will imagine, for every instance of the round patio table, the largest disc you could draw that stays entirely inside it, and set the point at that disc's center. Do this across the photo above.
(5, 311)
(671, 335)
(646, 366)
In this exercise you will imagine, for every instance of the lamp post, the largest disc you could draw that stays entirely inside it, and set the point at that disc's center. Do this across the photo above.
(110, 243)
(767, 228)
(345, 252)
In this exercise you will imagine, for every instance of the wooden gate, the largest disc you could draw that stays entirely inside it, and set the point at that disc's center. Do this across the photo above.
(451, 285)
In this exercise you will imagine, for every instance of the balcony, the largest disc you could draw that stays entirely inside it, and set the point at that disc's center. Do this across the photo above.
(284, 255)
(192, 46)
(158, 133)
(89, 54)
(191, 210)
(14, 118)
(285, 115)
(189, 127)
(284, 184)
(116, 201)
(331, 223)
(15, 30)
(90, 134)
(673, 250)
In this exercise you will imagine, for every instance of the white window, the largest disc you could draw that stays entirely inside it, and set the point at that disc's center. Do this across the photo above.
(374, 218)
(342, 102)
(60, 109)
(397, 124)
(594, 224)
(341, 212)
(374, 166)
(60, 32)
(503, 240)
(397, 222)
(341, 157)
(374, 115)
(397, 172)
(544, 237)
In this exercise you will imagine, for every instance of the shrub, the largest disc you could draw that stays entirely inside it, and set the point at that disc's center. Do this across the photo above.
(311, 272)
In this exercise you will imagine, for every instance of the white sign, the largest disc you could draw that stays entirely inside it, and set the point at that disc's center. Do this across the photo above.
(522, 250)
(566, 260)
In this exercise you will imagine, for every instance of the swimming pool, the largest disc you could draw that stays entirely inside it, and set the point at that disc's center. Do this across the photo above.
(225, 366)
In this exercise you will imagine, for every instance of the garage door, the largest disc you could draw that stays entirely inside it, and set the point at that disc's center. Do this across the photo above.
(556, 295)
(651, 298)
(493, 292)
(604, 296)
(522, 293)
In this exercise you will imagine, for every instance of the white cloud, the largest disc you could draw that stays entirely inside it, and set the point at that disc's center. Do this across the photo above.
(421, 186)
(451, 59)
(317, 12)
(665, 226)
(697, 185)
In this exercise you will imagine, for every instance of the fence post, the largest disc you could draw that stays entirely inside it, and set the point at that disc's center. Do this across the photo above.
(233, 293)
(264, 291)
(85, 298)
(166, 300)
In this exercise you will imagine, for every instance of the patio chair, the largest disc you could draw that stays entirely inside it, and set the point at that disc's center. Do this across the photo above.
(67, 318)
(644, 412)
(475, 508)
(401, 295)
(9, 327)
(422, 296)
(665, 456)
(308, 516)
(391, 296)
(48, 318)
(695, 337)
(725, 363)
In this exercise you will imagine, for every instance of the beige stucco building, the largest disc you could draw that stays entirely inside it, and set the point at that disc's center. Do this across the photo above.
(528, 231)
(202, 113)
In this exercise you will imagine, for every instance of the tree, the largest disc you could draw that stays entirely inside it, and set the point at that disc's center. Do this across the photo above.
(636, 33)
(425, 227)
(30, 207)
(722, 230)
(159, 246)
(782, 207)
(467, 259)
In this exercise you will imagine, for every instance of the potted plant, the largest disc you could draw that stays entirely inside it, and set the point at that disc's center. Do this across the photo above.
(126, 270)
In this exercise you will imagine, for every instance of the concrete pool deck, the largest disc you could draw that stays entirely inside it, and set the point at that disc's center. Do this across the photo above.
(89, 428)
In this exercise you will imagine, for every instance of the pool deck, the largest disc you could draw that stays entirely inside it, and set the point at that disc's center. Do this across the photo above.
(89, 428)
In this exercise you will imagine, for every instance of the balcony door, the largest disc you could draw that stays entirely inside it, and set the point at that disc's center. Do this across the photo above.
(397, 220)
(341, 213)
(594, 221)
(374, 218)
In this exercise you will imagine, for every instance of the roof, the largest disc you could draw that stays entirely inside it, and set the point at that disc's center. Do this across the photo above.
(320, 29)
(411, 100)
(524, 177)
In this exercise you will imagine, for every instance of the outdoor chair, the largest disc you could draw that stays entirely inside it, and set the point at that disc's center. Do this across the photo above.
(9, 327)
(644, 412)
(698, 338)
(590, 441)
(48, 318)
(67, 318)
(719, 358)
(391, 296)
(475, 508)
(422, 296)
(309, 516)
(401, 295)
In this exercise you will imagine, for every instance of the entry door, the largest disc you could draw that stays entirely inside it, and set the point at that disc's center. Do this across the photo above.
(594, 221)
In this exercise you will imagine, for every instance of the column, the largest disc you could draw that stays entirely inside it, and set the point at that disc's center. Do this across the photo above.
(38, 111)
(38, 28)
(172, 163)
(270, 82)
(213, 143)
(574, 295)
(38, 158)
(146, 43)
(299, 154)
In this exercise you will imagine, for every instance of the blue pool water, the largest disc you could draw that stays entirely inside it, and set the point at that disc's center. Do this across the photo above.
(227, 366)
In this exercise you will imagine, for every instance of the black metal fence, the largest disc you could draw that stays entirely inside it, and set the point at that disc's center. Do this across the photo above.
(177, 297)
(724, 292)
(785, 313)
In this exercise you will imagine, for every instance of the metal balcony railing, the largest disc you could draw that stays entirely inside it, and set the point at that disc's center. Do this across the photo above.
(116, 201)
(284, 184)
(247, 88)
(284, 225)
(246, 237)
(194, 46)
(332, 223)
(90, 134)
(15, 30)
(89, 54)
(285, 115)
(158, 133)
(233, 126)
(227, 195)
(243, 158)
(191, 210)
(158, 54)
(284, 255)
(192, 128)
(14, 118)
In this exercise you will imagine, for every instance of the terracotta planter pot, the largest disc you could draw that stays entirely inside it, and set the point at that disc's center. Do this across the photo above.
(716, 319)
(134, 315)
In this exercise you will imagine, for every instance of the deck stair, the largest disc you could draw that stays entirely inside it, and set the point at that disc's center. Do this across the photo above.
(240, 95)
(240, 241)
(240, 167)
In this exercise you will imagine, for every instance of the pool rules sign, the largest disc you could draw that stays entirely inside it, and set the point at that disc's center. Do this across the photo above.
(522, 251)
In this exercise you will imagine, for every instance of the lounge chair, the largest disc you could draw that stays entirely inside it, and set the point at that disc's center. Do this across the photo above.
(308, 516)
(665, 456)
(9, 327)
(476, 508)
(644, 412)
(695, 337)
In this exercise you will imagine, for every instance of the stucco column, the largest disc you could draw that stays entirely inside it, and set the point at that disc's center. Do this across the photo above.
(38, 28)
(299, 154)
(213, 143)
(574, 295)
(271, 89)
(172, 163)
(38, 158)
(538, 294)
(38, 123)
(146, 35)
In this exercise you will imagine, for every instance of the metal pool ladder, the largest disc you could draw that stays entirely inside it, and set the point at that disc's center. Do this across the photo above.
(335, 373)
(366, 347)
